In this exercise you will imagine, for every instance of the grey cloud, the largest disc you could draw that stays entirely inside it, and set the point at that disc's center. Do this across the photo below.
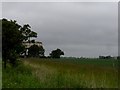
(77, 28)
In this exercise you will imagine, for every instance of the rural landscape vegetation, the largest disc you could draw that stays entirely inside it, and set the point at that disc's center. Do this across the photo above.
(30, 68)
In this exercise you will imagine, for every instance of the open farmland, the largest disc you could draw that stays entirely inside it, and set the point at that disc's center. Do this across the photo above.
(62, 73)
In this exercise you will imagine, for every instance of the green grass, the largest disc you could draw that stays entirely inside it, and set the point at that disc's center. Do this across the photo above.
(62, 73)
(18, 77)
(0, 73)
(98, 62)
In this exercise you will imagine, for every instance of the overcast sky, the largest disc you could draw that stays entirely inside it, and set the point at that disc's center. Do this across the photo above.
(79, 29)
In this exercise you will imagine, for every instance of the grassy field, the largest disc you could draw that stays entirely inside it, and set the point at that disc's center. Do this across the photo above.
(62, 73)
(0, 73)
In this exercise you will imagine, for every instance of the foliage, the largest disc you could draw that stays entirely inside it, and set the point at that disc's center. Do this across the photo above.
(13, 35)
(19, 77)
(105, 57)
(56, 53)
(11, 40)
(36, 51)
(27, 33)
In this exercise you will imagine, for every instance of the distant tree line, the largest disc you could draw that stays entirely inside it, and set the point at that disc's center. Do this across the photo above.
(108, 57)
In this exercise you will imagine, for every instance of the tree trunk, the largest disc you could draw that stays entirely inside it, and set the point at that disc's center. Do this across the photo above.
(5, 62)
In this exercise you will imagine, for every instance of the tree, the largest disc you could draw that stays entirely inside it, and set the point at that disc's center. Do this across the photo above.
(0, 38)
(35, 51)
(42, 51)
(27, 33)
(11, 40)
(13, 35)
(56, 53)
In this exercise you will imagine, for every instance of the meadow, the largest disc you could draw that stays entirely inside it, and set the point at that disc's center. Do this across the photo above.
(62, 73)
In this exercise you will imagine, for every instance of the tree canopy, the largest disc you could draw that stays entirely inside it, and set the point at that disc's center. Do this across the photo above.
(13, 35)
(27, 33)
(11, 39)
(56, 53)
(36, 51)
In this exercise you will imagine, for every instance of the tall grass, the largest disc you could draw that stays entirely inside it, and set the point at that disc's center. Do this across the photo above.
(18, 77)
(53, 73)
(0, 73)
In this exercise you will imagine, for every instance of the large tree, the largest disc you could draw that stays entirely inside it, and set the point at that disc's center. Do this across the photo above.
(11, 40)
(56, 53)
(13, 35)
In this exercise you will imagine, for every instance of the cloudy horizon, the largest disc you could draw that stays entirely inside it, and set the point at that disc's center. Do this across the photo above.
(79, 29)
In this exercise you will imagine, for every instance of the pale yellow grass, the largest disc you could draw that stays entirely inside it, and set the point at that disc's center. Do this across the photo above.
(40, 70)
